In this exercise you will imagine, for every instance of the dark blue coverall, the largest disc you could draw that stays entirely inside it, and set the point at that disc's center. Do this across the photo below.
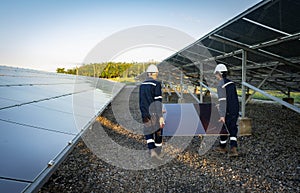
(150, 100)
(228, 108)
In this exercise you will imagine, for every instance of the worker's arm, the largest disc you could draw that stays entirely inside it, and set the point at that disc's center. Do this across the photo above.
(158, 104)
(222, 102)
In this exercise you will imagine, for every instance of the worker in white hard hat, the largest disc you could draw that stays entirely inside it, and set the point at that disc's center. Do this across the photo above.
(150, 100)
(228, 110)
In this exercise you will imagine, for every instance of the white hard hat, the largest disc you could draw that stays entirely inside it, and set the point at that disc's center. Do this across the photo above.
(152, 68)
(220, 68)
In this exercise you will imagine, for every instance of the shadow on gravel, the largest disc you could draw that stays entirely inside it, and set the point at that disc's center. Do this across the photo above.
(269, 161)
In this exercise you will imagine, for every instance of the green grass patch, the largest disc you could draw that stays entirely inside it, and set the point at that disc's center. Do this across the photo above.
(278, 94)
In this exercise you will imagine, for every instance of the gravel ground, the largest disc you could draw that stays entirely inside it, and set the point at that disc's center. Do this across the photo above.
(268, 162)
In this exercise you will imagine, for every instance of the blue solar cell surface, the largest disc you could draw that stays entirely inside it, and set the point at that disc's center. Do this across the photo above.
(192, 119)
(27, 150)
(12, 185)
(41, 114)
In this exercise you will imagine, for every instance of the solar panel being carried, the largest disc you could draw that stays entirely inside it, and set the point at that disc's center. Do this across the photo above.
(42, 115)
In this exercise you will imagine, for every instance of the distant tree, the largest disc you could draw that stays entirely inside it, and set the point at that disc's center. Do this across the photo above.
(60, 70)
(113, 70)
(108, 69)
(71, 71)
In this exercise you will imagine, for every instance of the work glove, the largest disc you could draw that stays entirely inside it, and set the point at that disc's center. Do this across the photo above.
(161, 122)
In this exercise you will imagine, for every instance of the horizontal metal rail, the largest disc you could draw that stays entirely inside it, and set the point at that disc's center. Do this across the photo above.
(278, 100)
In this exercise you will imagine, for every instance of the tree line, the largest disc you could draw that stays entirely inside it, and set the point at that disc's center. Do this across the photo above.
(108, 69)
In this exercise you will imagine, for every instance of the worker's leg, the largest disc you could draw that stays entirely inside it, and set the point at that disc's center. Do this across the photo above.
(151, 146)
(150, 141)
(231, 122)
(149, 134)
(222, 144)
(158, 140)
(223, 139)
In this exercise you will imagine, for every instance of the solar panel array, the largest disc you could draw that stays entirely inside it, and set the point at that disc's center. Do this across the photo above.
(41, 116)
(268, 31)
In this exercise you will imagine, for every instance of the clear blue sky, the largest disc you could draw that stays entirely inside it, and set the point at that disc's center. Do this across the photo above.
(46, 34)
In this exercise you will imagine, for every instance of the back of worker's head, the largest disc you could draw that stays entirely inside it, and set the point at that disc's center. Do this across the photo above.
(152, 70)
(222, 70)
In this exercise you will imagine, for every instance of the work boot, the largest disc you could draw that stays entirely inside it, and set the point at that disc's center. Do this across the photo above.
(154, 155)
(221, 149)
(233, 152)
(158, 150)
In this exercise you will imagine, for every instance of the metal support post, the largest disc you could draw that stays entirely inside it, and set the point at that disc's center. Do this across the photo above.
(201, 81)
(181, 85)
(244, 74)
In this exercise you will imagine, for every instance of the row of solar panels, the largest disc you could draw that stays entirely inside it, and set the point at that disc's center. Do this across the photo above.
(41, 117)
(270, 34)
